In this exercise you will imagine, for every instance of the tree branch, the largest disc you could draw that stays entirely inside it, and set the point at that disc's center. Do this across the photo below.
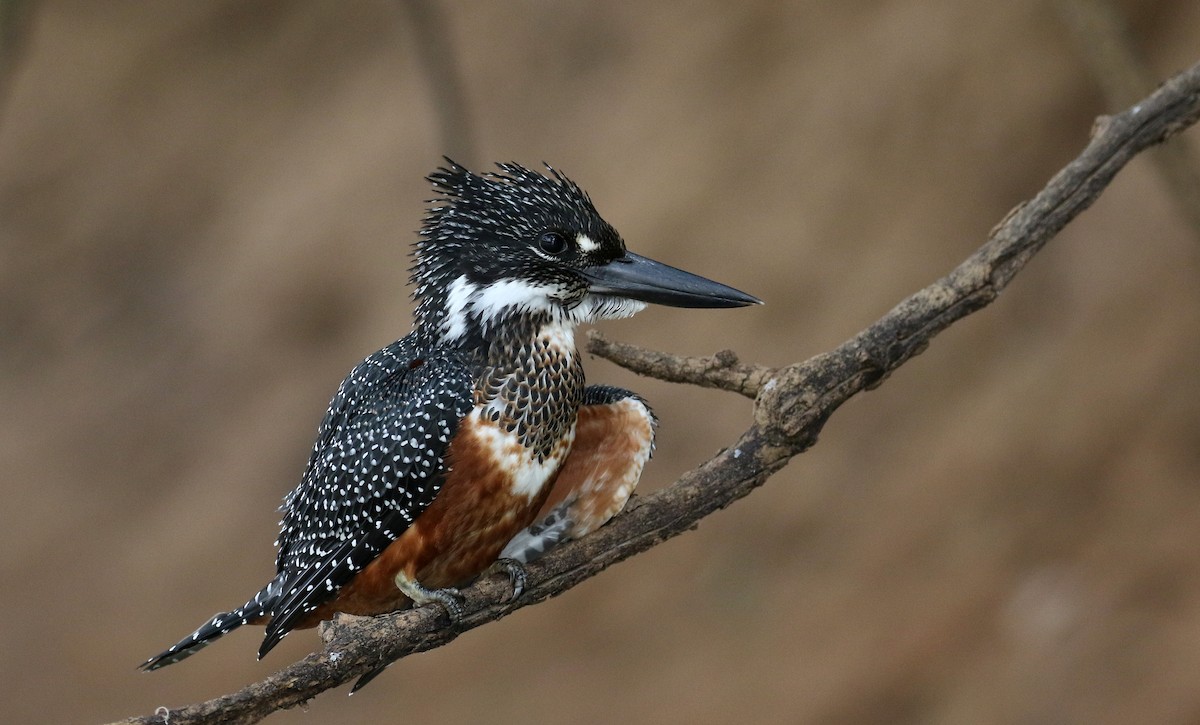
(791, 406)
(1104, 40)
(721, 371)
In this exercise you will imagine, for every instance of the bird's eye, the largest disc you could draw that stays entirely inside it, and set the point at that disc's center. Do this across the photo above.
(552, 242)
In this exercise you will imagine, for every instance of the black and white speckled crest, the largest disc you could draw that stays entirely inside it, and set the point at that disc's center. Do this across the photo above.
(482, 234)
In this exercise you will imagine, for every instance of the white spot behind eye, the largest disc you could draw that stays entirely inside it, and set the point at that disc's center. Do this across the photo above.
(586, 243)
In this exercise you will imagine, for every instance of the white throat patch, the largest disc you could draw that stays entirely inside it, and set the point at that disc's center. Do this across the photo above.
(602, 307)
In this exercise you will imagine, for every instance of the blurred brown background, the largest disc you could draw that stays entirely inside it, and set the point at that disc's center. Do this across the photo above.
(205, 210)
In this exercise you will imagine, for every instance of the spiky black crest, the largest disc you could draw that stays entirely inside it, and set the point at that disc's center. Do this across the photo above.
(515, 195)
(482, 228)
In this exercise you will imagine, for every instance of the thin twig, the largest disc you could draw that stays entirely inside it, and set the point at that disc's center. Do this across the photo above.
(792, 405)
(721, 371)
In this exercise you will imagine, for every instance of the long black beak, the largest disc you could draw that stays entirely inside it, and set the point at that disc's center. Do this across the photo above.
(639, 278)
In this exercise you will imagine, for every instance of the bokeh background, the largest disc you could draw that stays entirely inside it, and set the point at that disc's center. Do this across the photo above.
(205, 212)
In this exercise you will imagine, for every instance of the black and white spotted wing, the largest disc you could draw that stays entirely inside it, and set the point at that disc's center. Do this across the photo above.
(376, 465)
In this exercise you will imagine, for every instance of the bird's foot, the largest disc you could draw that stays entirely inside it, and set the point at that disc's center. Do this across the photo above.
(515, 573)
(449, 599)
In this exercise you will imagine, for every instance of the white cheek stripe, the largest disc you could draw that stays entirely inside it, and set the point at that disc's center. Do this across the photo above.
(491, 301)
(457, 298)
(509, 293)
(465, 299)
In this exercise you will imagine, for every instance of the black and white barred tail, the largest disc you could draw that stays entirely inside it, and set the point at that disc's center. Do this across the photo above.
(220, 625)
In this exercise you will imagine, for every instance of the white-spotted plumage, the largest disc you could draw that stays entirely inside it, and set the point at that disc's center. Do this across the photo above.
(376, 465)
(502, 275)
(492, 335)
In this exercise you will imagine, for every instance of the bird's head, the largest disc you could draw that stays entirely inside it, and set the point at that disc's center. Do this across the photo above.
(518, 245)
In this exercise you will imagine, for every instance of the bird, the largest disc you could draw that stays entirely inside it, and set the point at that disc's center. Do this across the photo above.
(473, 442)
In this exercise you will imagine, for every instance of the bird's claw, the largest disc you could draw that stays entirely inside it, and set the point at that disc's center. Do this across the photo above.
(515, 572)
(449, 598)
